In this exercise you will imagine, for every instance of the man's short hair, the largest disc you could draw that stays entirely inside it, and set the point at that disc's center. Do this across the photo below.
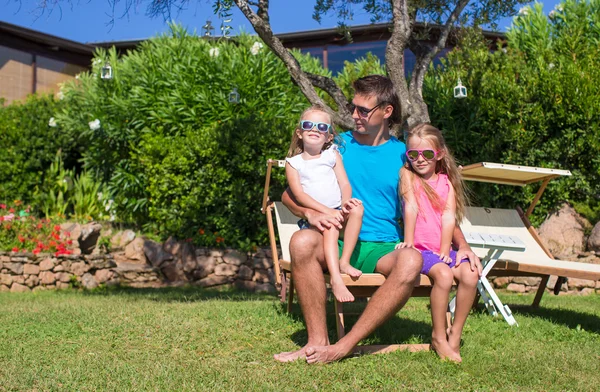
(381, 87)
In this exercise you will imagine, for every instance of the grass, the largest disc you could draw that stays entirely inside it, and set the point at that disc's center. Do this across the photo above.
(186, 339)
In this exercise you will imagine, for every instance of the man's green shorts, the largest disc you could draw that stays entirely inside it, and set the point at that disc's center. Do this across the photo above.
(366, 254)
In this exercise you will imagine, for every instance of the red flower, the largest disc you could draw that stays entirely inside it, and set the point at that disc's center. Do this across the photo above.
(56, 228)
(1, 218)
(15, 249)
(69, 242)
(39, 226)
(21, 239)
(201, 231)
(2, 206)
(36, 251)
(11, 210)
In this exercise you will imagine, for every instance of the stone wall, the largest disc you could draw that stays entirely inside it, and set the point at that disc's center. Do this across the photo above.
(21, 272)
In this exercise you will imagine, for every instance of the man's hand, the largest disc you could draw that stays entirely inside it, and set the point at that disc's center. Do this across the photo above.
(350, 204)
(322, 221)
(465, 252)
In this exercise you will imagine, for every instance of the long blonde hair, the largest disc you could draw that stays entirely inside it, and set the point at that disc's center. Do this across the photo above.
(297, 146)
(446, 165)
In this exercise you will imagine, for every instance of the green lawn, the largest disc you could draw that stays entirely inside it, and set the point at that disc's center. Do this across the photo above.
(191, 339)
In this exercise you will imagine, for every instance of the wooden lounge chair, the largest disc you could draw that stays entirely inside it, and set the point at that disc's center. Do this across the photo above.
(536, 260)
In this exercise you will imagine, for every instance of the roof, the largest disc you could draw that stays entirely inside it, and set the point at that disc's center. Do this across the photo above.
(500, 173)
(22, 38)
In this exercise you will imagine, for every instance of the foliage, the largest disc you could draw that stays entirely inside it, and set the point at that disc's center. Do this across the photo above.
(29, 144)
(176, 154)
(22, 232)
(535, 103)
(62, 194)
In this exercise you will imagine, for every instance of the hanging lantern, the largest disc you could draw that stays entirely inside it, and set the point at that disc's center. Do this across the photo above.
(207, 29)
(234, 96)
(106, 71)
(460, 91)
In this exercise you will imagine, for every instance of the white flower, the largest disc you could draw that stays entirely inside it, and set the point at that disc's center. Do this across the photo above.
(552, 14)
(97, 61)
(524, 11)
(99, 194)
(77, 76)
(52, 122)
(559, 8)
(256, 48)
(94, 125)
(213, 52)
(60, 95)
(504, 50)
(551, 65)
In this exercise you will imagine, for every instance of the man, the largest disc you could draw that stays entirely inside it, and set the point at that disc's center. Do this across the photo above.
(373, 159)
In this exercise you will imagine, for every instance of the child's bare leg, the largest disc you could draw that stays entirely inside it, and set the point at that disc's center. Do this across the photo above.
(351, 231)
(330, 246)
(442, 283)
(465, 295)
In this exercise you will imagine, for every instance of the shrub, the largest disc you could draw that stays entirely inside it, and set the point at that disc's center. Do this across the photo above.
(29, 144)
(177, 155)
(533, 103)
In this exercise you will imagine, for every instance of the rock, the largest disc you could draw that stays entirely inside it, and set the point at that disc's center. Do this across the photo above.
(19, 288)
(122, 239)
(58, 268)
(32, 281)
(171, 246)
(234, 257)
(47, 264)
(63, 277)
(4, 289)
(261, 276)
(598, 285)
(245, 273)
(6, 279)
(89, 237)
(586, 291)
(224, 269)
(38, 288)
(62, 285)
(527, 280)
(517, 288)
(593, 242)
(19, 279)
(79, 268)
(563, 232)
(47, 277)
(581, 283)
(262, 262)
(16, 268)
(155, 253)
(173, 271)
(188, 257)
(88, 281)
(213, 280)
(245, 285)
(135, 251)
(502, 281)
(102, 263)
(103, 275)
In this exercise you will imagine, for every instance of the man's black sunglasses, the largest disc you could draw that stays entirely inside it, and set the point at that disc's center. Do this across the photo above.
(362, 111)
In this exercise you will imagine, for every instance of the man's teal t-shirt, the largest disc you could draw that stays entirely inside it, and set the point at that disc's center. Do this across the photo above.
(374, 174)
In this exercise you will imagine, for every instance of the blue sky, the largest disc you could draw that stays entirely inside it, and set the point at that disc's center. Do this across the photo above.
(87, 20)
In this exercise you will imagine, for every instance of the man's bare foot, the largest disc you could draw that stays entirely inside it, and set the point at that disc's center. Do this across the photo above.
(443, 350)
(341, 292)
(350, 270)
(324, 354)
(454, 341)
(289, 356)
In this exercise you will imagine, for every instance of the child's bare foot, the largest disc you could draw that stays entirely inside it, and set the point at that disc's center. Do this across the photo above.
(444, 351)
(350, 270)
(454, 341)
(341, 292)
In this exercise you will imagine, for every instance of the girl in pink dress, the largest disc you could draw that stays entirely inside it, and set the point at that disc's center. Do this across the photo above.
(433, 204)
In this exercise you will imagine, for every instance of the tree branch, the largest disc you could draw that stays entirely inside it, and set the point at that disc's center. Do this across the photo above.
(330, 87)
(263, 29)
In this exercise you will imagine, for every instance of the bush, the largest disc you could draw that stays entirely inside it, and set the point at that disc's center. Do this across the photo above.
(29, 144)
(536, 103)
(179, 158)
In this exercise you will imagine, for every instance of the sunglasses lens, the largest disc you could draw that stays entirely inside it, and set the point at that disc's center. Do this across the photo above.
(307, 125)
(413, 155)
(428, 154)
(322, 127)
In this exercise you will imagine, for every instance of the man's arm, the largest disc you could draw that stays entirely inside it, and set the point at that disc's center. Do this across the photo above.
(464, 250)
(315, 218)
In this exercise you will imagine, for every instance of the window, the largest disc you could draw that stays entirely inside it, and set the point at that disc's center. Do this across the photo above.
(336, 55)
(52, 72)
(16, 74)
